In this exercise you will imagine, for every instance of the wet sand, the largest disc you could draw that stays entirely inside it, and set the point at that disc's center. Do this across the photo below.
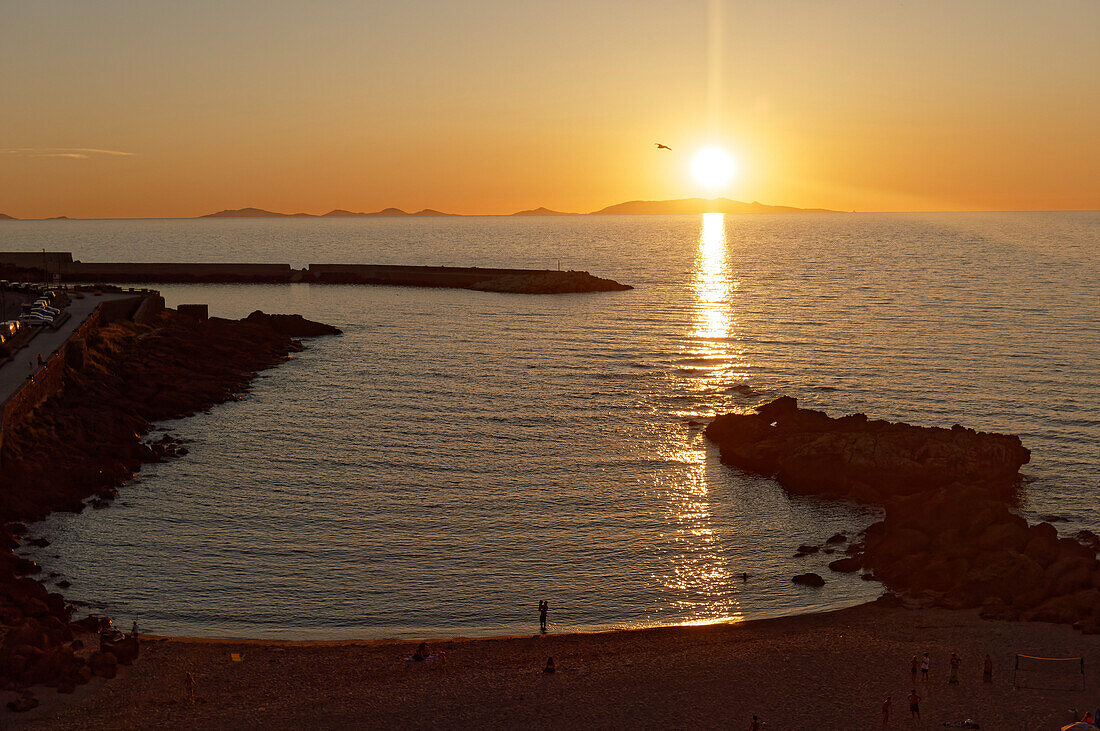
(819, 671)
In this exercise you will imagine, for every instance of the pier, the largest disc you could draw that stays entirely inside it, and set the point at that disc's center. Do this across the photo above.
(61, 267)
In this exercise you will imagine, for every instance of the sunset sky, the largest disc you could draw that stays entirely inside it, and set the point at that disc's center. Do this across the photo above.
(165, 109)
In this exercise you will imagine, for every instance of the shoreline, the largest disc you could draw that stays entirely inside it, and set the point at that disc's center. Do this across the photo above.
(434, 639)
(828, 670)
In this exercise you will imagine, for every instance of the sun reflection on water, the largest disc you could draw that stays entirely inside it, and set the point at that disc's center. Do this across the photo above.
(703, 588)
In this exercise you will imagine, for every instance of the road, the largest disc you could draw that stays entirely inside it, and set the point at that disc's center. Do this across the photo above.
(24, 364)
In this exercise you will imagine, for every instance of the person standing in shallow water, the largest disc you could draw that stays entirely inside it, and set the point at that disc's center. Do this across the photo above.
(544, 607)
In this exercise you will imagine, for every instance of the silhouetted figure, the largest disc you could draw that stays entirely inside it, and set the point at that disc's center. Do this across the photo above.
(914, 666)
(924, 664)
(662, 147)
(886, 705)
(544, 607)
(757, 724)
(955, 662)
(987, 670)
(421, 653)
(190, 683)
(133, 630)
(744, 576)
(549, 665)
(914, 704)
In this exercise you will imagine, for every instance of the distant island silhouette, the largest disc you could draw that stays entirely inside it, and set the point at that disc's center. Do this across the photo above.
(630, 208)
(542, 212)
(337, 213)
(6, 217)
(700, 205)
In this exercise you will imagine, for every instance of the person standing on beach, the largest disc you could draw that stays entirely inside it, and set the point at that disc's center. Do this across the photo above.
(886, 705)
(544, 607)
(914, 705)
(914, 665)
(924, 664)
(955, 662)
(757, 724)
(189, 681)
(987, 669)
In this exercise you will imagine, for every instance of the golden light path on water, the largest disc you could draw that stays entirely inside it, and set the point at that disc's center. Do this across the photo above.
(702, 585)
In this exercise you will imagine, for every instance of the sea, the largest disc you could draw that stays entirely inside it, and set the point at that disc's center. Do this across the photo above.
(454, 457)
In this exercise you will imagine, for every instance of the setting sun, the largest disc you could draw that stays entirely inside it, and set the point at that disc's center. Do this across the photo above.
(712, 167)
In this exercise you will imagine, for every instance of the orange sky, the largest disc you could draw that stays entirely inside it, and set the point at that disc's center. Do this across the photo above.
(496, 106)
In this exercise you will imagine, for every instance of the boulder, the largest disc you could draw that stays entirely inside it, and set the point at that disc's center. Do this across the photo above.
(810, 579)
(845, 565)
(103, 664)
(25, 702)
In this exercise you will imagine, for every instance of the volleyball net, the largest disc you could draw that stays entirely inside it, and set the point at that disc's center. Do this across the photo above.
(1049, 673)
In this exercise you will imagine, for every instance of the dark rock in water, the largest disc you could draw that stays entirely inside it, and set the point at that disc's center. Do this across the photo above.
(548, 282)
(838, 538)
(809, 452)
(806, 548)
(845, 565)
(1054, 519)
(39, 542)
(1088, 538)
(810, 579)
(294, 326)
(889, 600)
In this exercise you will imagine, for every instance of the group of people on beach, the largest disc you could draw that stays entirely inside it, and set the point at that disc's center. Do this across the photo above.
(923, 663)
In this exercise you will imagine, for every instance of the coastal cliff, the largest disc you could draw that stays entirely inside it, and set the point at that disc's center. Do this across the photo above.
(88, 440)
(949, 537)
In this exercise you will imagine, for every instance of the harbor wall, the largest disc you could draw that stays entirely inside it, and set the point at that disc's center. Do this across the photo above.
(48, 380)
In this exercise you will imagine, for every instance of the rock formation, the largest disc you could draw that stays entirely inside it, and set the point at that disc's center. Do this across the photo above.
(949, 537)
(809, 452)
(87, 441)
(294, 326)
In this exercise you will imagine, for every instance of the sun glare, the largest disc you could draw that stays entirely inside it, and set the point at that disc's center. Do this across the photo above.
(712, 167)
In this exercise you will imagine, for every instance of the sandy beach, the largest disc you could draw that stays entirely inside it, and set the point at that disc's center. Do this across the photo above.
(819, 671)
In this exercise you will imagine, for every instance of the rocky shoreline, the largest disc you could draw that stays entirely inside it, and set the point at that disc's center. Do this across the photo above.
(949, 537)
(81, 445)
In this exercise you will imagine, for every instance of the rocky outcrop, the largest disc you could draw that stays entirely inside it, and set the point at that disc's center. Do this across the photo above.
(88, 440)
(294, 326)
(809, 452)
(949, 537)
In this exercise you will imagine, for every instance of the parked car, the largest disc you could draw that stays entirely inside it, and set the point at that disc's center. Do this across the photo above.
(43, 312)
(9, 328)
(32, 319)
(43, 306)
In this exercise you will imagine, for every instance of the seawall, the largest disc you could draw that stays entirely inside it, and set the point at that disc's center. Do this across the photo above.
(47, 381)
(58, 266)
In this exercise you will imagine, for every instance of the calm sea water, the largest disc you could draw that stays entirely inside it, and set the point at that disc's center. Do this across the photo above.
(456, 456)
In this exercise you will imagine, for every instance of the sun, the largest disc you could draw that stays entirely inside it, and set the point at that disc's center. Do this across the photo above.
(712, 167)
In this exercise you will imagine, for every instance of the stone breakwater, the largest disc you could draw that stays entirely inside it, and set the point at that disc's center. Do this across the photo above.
(42, 266)
(949, 537)
(86, 441)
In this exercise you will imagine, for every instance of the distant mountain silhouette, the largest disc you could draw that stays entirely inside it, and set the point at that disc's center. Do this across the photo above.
(682, 205)
(6, 217)
(245, 213)
(541, 212)
(700, 205)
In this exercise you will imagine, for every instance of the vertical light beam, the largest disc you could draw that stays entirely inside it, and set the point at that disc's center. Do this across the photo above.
(714, 66)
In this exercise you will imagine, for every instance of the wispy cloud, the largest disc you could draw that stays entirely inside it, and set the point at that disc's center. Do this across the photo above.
(78, 153)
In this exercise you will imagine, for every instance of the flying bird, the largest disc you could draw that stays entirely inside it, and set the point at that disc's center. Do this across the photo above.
(662, 147)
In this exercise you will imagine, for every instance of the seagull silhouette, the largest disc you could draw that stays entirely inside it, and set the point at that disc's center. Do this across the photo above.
(662, 147)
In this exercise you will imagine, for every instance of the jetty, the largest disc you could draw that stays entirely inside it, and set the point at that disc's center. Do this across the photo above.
(61, 267)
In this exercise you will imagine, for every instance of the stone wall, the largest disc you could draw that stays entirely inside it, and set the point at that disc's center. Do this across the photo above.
(49, 378)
